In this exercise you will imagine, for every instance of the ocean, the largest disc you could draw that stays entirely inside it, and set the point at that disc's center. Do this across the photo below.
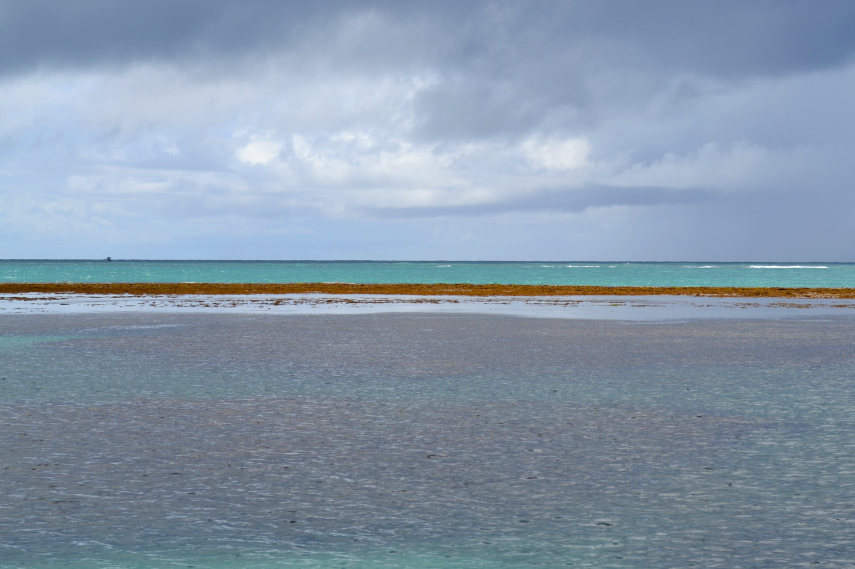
(220, 438)
(599, 273)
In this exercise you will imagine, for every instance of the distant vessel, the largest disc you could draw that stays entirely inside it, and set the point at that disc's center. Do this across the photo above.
(108, 259)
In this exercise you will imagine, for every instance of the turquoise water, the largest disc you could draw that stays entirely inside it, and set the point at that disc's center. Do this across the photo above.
(756, 274)
(223, 441)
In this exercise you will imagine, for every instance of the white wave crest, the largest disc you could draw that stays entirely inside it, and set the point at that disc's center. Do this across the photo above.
(787, 267)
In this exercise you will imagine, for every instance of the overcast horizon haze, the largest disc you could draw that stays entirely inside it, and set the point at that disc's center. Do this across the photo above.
(538, 130)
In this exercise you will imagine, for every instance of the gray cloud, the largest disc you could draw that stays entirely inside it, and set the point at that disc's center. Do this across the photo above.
(566, 201)
(570, 66)
(504, 39)
(97, 32)
(353, 118)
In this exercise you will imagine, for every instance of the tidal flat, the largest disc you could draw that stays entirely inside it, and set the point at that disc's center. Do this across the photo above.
(133, 439)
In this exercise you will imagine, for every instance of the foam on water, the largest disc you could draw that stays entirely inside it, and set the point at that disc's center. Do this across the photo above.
(788, 266)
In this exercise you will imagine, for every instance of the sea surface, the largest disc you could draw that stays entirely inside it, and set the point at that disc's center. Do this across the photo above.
(146, 440)
(601, 273)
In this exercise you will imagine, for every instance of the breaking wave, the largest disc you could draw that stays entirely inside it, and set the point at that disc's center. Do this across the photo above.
(787, 267)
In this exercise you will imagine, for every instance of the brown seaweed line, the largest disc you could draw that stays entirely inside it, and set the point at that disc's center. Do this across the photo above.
(441, 289)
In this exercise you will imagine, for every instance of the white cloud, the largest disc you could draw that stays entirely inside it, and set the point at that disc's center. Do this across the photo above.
(325, 168)
(557, 154)
(259, 152)
(361, 140)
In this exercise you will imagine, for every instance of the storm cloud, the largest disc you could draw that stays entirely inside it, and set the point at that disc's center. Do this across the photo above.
(455, 130)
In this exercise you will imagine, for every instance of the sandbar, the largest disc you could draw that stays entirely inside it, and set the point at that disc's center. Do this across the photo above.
(418, 289)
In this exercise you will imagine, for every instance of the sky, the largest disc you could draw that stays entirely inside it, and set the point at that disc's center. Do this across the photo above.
(519, 130)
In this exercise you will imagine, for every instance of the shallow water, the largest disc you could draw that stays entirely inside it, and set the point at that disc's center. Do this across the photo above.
(429, 440)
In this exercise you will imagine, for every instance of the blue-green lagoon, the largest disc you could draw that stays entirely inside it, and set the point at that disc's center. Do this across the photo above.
(595, 273)
(225, 440)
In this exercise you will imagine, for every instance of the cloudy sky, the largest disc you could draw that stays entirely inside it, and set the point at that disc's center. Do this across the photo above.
(555, 130)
